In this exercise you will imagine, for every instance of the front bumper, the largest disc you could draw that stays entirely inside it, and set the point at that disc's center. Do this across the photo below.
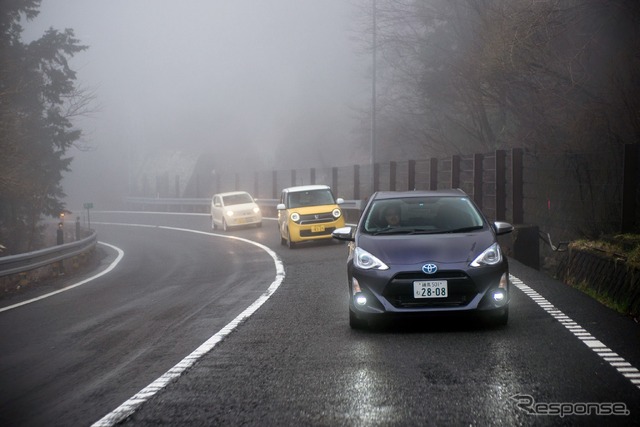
(235, 221)
(320, 231)
(390, 293)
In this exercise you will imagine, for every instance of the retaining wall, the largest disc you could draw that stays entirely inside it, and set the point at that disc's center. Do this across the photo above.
(607, 275)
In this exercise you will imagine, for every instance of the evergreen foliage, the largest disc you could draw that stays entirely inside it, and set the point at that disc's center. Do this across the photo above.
(37, 97)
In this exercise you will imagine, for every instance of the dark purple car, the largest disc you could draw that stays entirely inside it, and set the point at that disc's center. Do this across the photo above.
(425, 252)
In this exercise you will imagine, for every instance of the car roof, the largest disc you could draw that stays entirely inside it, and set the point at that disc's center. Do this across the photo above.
(306, 188)
(231, 193)
(383, 195)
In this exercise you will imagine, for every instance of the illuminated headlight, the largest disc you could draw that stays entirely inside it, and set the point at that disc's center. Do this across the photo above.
(229, 213)
(491, 256)
(364, 260)
(499, 296)
(358, 296)
(336, 213)
(295, 217)
(256, 209)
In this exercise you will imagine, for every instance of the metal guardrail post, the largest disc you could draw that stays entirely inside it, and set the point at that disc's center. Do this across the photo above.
(20, 263)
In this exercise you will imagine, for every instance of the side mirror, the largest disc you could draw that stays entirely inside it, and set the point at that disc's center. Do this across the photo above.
(343, 233)
(281, 207)
(339, 200)
(502, 227)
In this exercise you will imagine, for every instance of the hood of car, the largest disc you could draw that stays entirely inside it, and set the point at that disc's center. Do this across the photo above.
(307, 210)
(240, 207)
(414, 249)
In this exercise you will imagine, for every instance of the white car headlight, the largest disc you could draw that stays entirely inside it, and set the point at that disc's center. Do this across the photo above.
(256, 209)
(229, 213)
(336, 213)
(491, 256)
(295, 217)
(364, 260)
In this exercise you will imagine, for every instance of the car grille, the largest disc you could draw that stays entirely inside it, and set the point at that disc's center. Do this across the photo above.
(316, 218)
(399, 291)
(309, 233)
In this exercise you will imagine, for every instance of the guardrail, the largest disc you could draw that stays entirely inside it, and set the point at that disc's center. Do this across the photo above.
(352, 208)
(14, 264)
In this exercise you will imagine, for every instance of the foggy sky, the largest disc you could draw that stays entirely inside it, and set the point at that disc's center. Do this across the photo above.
(244, 78)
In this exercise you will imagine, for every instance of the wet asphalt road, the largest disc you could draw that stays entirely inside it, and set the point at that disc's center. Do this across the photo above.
(295, 361)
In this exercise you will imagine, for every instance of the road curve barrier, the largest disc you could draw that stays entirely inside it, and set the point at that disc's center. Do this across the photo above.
(21, 263)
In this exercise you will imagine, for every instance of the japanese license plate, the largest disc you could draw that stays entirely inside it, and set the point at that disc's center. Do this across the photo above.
(317, 228)
(430, 289)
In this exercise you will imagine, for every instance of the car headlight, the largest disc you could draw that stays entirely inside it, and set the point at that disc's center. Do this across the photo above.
(491, 256)
(229, 213)
(364, 260)
(336, 213)
(295, 217)
(256, 209)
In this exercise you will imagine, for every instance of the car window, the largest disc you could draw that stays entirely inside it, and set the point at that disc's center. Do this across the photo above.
(237, 199)
(310, 198)
(457, 213)
(425, 215)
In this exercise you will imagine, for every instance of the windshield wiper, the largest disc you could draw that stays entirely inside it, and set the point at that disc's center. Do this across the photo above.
(463, 229)
(392, 231)
(425, 231)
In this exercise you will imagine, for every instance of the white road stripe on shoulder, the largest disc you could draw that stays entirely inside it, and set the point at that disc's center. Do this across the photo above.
(617, 362)
(68, 288)
(131, 405)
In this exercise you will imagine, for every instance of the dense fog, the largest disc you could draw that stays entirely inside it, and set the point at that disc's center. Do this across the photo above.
(261, 84)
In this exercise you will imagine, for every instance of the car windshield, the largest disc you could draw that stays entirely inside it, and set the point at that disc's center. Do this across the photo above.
(237, 199)
(310, 198)
(422, 215)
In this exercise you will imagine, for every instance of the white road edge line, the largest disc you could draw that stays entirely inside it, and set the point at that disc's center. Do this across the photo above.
(618, 363)
(83, 282)
(131, 405)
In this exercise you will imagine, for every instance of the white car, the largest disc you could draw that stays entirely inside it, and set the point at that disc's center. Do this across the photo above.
(234, 209)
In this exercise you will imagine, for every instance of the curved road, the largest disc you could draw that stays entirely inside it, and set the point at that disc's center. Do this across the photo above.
(71, 358)
(76, 357)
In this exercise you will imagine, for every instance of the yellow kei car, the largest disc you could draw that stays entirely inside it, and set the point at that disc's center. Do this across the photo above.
(307, 213)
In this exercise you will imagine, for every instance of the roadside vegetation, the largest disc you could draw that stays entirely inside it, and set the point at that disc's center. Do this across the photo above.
(39, 98)
(618, 291)
(623, 247)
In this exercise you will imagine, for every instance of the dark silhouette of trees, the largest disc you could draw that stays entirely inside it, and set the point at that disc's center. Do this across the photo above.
(474, 75)
(38, 99)
(558, 78)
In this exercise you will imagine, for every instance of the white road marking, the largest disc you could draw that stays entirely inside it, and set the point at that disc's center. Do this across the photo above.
(132, 404)
(68, 288)
(598, 347)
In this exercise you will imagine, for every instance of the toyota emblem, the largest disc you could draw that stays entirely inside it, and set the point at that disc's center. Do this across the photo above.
(429, 268)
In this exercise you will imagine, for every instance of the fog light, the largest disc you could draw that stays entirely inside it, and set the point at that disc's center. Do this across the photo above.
(358, 296)
(499, 296)
(361, 299)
